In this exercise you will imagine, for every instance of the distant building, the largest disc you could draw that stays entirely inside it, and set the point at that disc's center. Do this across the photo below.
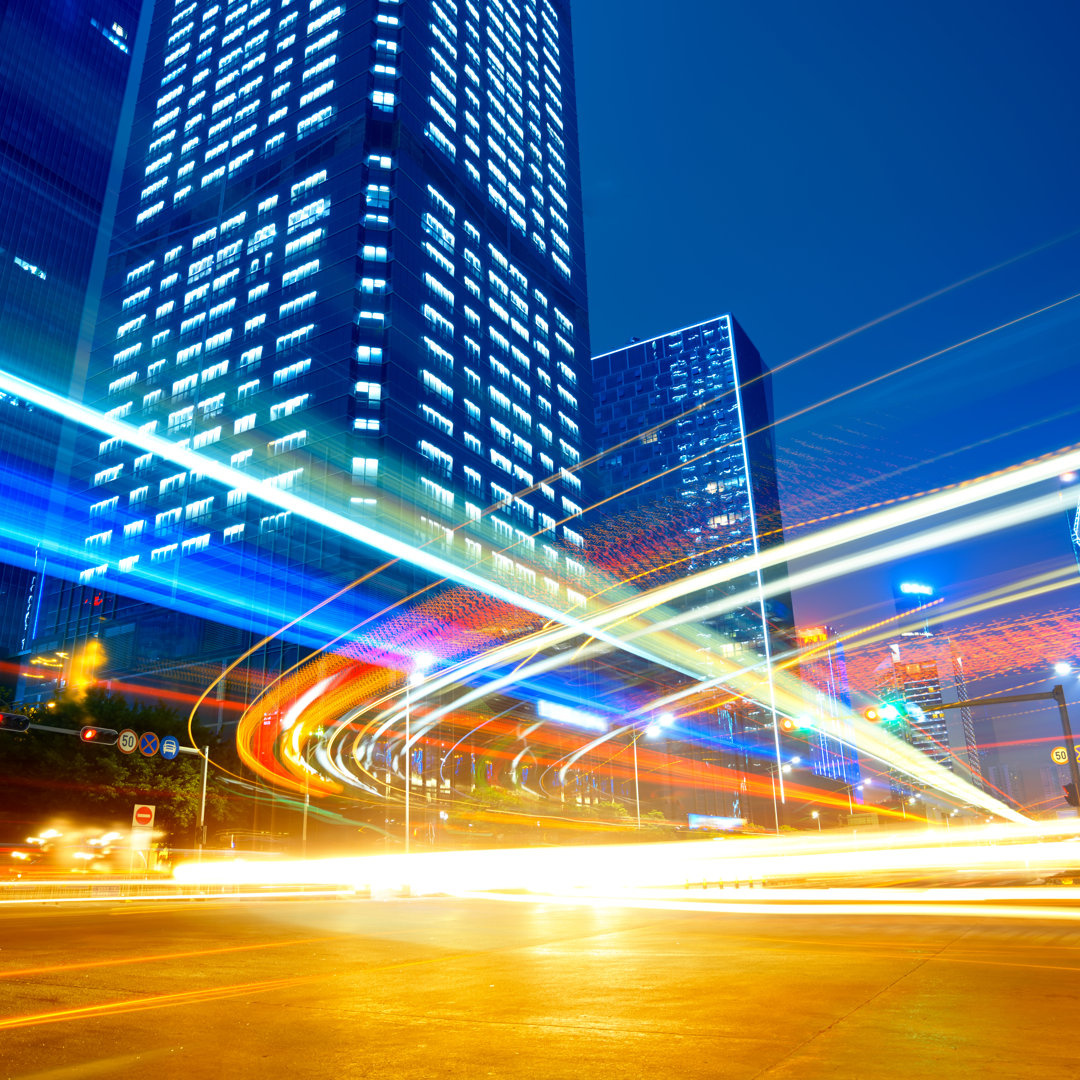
(824, 672)
(686, 418)
(926, 671)
(1007, 780)
(1050, 793)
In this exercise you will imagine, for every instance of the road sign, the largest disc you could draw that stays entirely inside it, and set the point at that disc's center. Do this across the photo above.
(148, 744)
(127, 742)
(170, 747)
(143, 816)
(1059, 755)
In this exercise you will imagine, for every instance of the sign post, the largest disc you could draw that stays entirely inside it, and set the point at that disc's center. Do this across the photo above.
(142, 826)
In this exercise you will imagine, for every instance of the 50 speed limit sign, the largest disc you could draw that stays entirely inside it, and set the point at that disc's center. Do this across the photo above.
(127, 741)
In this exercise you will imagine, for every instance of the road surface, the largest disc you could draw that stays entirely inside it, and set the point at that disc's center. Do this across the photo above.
(471, 988)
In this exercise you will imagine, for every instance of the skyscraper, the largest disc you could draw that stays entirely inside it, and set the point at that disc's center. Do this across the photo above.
(924, 670)
(349, 261)
(64, 83)
(62, 87)
(824, 671)
(686, 420)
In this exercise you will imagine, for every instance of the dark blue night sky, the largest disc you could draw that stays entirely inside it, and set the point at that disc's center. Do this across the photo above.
(811, 167)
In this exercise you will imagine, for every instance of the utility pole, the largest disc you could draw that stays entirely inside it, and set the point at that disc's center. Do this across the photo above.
(1057, 695)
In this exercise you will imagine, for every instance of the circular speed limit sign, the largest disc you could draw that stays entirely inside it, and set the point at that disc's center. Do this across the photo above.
(1059, 755)
(127, 741)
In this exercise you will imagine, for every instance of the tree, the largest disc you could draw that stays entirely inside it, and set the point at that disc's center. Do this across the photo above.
(45, 775)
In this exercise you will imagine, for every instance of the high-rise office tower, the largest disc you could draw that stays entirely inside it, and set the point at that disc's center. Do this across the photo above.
(686, 420)
(830, 742)
(64, 82)
(62, 87)
(349, 261)
(925, 670)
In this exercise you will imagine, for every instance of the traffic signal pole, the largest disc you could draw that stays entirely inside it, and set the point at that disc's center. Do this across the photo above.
(1057, 695)
(1066, 727)
(202, 800)
(204, 753)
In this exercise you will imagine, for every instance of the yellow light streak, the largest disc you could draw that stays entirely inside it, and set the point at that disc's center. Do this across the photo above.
(972, 849)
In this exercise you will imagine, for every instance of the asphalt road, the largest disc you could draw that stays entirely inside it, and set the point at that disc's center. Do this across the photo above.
(411, 988)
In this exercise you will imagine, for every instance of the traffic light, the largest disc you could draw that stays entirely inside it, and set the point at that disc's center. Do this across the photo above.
(1070, 794)
(10, 721)
(103, 735)
(790, 724)
(887, 710)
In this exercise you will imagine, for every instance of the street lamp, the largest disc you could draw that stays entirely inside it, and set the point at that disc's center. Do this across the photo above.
(650, 731)
(1062, 667)
(817, 817)
(864, 784)
(421, 662)
(774, 770)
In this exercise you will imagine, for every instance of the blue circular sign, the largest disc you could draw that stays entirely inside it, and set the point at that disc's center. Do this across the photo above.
(148, 744)
(170, 747)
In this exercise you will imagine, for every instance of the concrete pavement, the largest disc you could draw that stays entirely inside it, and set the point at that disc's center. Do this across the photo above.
(418, 988)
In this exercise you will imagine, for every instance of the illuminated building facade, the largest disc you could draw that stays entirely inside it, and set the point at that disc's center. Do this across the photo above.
(924, 670)
(686, 420)
(824, 672)
(349, 261)
(64, 87)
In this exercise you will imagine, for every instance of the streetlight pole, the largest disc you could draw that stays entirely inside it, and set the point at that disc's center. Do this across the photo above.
(307, 803)
(850, 788)
(637, 790)
(419, 670)
(774, 773)
(407, 763)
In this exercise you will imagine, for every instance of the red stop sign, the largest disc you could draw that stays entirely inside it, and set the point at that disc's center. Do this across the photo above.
(144, 815)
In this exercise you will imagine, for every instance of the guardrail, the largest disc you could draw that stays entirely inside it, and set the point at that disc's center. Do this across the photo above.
(54, 891)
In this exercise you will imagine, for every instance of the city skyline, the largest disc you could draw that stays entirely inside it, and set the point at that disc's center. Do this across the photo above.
(512, 508)
(831, 166)
(248, 41)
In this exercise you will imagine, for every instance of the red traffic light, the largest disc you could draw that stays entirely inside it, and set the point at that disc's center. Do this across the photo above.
(14, 722)
(105, 736)
(872, 715)
(788, 724)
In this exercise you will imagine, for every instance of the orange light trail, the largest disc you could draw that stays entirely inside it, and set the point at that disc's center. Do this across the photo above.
(155, 957)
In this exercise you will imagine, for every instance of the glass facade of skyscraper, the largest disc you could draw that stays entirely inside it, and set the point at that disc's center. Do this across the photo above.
(685, 419)
(349, 262)
(63, 84)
